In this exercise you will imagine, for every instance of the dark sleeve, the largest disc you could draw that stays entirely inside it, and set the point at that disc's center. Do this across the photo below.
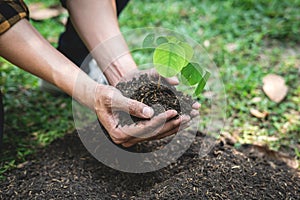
(64, 3)
(11, 12)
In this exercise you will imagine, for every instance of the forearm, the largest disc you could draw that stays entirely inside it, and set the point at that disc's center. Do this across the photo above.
(96, 22)
(25, 47)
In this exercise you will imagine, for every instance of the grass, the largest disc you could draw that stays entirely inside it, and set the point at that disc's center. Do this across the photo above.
(246, 39)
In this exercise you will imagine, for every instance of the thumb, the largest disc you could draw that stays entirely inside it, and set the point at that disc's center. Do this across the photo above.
(139, 109)
(134, 107)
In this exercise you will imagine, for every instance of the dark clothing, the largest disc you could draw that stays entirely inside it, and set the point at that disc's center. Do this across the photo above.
(11, 12)
(120, 4)
(70, 43)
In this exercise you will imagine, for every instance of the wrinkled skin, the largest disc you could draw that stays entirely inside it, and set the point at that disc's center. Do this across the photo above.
(109, 100)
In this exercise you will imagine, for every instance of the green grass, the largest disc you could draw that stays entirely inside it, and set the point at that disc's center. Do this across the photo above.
(266, 40)
(33, 118)
(265, 36)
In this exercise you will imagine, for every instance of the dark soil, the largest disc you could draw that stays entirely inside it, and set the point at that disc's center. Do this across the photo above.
(65, 170)
(158, 94)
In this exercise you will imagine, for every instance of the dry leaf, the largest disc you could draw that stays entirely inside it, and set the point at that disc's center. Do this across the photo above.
(258, 114)
(209, 94)
(206, 43)
(231, 47)
(38, 12)
(21, 165)
(274, 87)
(255, 100)
(228, 138)
(265, 152)
(263, 139)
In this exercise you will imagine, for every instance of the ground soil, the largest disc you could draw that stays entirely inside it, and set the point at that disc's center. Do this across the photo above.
(66, 170)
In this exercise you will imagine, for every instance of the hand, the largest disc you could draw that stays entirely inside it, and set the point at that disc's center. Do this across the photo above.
(153, 73)
(109, 100)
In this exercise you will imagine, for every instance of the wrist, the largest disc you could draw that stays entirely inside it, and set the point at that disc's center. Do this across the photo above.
(120, 68)
(97, 91)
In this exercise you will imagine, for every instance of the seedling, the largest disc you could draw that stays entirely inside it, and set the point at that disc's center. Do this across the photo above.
(173, 57)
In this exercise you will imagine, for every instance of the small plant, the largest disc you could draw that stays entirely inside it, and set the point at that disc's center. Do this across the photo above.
(172, 57)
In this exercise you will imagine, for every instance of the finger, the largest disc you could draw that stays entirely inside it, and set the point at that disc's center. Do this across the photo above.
(173, 80)
(147, 129)
(118, 136)
(170, 127)
(174, 124)
(194, 113)
(160, 121)
(196, 105)
(139, 109)
(167, 134)
(172, 132)
(157, 137)
(110, 124)
(132, 107)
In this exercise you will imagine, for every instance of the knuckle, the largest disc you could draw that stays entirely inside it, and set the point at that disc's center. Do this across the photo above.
(126, 145)
(107, 98)
(118, 137)
(117, 141)
(133, 107)
(109, 95)
(175, 123)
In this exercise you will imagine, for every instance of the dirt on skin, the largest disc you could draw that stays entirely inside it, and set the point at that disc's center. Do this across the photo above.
(66, 170)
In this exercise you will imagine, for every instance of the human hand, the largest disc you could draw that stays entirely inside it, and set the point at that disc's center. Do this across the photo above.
(153, 76)
(109, 101)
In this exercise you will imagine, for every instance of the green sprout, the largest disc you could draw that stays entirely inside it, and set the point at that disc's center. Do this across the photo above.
(173, 57)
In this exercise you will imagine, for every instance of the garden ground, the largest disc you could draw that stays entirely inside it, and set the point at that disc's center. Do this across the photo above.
(42, 155)
(66, 170)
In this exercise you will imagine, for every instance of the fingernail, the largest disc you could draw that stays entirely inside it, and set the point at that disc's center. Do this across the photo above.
(174, 112)
(185, 119)
(148, 112)
(174, 80)
(184, 126)
(196, 105)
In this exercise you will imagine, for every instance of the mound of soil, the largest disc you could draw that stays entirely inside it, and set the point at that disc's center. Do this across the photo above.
(65, 170)
(158, 94)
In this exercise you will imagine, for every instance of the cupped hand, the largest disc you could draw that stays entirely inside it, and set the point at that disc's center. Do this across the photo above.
(109, 100)
(152, 73)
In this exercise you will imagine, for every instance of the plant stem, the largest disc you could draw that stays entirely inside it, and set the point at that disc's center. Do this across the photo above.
(158, 82)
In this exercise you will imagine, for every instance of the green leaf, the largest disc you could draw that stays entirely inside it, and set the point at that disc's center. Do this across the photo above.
(169, 59)
(188, 50)
(149, 41)
(173, 39)
(192, 74)
(202, 84)
(160, 40)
